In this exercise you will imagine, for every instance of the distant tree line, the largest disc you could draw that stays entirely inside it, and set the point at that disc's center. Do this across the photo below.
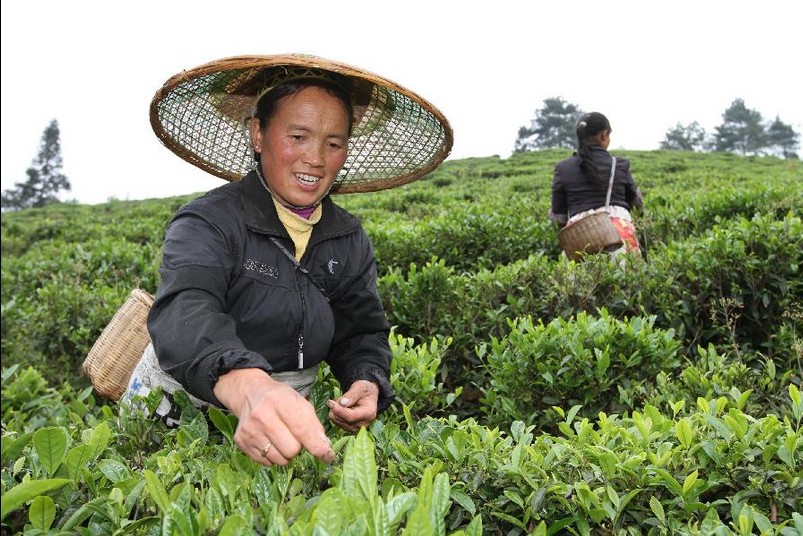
(45, 176)
(742, 131)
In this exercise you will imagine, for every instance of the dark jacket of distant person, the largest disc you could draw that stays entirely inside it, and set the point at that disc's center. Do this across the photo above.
(573, 192)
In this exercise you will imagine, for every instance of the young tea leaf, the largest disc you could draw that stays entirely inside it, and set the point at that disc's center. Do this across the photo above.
(683, 432)
(658, 509)
(42, 512)
(51, 446)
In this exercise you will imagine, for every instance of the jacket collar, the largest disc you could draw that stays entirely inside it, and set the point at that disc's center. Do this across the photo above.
(261, 216)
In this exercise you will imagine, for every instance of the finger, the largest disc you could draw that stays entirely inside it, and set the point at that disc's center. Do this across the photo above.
(289, 422)
(307, 432)
(345, 425)
(267, 427)
(264, 453)
(350, 419)
(364, 410)
(359, 390)
(349, 415)
(319, 446)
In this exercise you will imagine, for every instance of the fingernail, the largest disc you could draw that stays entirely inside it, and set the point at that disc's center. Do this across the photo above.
(329, 456)
(344, 401)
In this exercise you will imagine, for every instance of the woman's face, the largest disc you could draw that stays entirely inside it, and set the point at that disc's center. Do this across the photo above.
(304, 146)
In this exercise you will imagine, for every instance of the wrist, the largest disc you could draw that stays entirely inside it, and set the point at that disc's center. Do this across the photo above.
(233, 387)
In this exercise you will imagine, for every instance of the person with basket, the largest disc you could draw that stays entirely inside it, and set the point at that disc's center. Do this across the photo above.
(266, 278)
(593, 194)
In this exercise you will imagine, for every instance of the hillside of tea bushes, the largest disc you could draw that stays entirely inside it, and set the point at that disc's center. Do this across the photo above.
(535, 395)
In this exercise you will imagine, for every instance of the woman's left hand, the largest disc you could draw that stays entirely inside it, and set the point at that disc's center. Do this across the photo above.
(357, 407)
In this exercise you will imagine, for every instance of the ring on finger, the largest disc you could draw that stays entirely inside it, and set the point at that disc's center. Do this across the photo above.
(266, 449)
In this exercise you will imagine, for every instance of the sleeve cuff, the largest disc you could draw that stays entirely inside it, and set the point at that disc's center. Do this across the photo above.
(377, 376)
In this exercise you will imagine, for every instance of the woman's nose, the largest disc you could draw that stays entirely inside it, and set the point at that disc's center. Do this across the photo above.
(314, 155)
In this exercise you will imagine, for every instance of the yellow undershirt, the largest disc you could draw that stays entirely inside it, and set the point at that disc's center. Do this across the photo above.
(297, 227)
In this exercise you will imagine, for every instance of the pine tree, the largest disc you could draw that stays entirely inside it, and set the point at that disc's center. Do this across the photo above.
(741, 131)
(782, 138)
(690, 137)
(45, 177)
(552, 127)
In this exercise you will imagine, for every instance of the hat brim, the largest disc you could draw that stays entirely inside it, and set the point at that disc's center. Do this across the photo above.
(203, 116)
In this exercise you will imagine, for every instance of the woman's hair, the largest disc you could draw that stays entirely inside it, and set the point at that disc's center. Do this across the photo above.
(588, 127)
(268, 104)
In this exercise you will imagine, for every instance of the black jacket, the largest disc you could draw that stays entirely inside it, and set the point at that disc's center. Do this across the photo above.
(231, 298)
(573, 192)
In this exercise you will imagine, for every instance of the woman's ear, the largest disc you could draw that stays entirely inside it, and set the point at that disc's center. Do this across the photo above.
(256, 135)
(604, 138)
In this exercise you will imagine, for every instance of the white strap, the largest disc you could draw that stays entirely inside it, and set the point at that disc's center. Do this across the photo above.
(610, 185)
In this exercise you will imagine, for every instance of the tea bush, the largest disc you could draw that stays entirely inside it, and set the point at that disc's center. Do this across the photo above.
(583, 361)
(706, 468)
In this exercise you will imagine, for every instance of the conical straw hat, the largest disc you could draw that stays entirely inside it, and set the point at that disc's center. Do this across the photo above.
(203, 115)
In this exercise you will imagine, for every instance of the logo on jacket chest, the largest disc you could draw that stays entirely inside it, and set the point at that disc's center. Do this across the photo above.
(331, 266)
(262, 268)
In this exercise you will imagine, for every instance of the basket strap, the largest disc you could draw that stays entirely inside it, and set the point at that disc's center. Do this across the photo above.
(610, 185)
(299, 267)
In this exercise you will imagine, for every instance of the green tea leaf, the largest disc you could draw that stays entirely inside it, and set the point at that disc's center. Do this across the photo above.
(99, 439)
(359, 467)
(21, 493)
(669, 481)
(114, 470)
(156, 490)
(328, 511)
(658, 509)
(226, 423)
(797, 403)
(418, 523)
(77, 459)
(381, 520)
(464, 500)
(234, 525)
(440, 496)
(42, 512)
(12, 447)
(689, 482)
(398, 506)
(51, 447)
(683, 432)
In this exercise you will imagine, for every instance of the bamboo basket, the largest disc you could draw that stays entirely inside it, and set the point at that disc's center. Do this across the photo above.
(592, 234)
(115, 354)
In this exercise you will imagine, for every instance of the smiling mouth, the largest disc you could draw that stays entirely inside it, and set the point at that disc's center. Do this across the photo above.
(307, 179)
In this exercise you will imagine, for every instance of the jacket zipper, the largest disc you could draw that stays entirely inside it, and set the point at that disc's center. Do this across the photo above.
(298, 268)
(300, 351)
(301, 327)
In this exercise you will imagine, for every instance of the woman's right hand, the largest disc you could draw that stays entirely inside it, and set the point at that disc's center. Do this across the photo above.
(275, 422)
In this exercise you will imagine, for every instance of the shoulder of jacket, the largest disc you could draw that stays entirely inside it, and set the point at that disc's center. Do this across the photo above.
(224, 203)
(339, 217)
(570, 161)
(623, 162)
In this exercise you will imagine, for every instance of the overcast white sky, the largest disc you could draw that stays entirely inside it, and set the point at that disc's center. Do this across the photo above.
(487, 65)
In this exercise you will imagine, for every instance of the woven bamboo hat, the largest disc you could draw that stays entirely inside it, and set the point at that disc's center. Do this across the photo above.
(203, 115)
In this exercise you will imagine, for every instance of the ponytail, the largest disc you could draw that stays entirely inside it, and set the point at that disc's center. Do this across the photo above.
(589, 126)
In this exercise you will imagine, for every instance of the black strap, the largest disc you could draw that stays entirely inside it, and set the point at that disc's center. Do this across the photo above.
(299, 267)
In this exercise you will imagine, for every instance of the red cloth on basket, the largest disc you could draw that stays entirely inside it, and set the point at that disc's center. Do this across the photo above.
(627, 231)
